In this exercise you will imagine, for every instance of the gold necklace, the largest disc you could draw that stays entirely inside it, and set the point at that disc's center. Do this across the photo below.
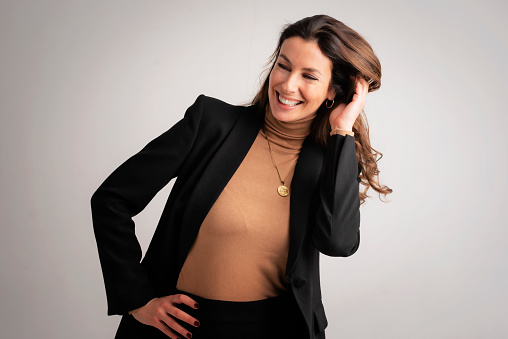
(283, 190)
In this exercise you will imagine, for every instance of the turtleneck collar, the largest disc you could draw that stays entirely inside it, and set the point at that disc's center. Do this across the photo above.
(286, 134)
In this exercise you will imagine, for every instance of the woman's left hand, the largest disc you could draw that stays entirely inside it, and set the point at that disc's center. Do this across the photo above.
(344, 116)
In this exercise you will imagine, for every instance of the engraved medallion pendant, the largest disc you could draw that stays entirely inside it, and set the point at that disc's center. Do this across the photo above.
(283, 191)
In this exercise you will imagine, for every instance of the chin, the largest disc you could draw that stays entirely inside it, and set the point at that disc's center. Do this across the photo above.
(283, 115)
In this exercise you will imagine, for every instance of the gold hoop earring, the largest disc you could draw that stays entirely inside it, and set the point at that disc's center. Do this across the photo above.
(327, 101)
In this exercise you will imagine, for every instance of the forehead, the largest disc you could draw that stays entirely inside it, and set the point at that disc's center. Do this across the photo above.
(305, 54)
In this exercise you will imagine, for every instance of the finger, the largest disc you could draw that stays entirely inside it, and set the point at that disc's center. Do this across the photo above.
(175, 326)
(179, 314)
(365, 86)
(184, 299)
(161, 326)
(362, 88)
(363, 83)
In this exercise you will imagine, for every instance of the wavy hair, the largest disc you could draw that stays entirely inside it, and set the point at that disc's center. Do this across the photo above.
(352, 58)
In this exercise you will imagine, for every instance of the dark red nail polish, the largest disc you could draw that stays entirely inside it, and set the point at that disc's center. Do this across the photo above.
(196, 323)
(188, 335)
(196, 305)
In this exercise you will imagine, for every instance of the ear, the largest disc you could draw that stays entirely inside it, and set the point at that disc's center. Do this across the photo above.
(331, 94)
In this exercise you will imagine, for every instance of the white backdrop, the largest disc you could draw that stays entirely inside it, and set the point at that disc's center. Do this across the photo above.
(86, 84)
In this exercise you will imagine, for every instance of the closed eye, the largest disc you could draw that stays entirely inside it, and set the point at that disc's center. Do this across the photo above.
(310, 77)
(284, 67)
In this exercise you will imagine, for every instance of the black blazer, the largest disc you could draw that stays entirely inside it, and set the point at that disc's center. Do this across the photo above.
(203, 151)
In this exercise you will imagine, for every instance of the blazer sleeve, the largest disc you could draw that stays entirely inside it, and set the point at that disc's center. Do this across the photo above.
(124, 194)
(337, 228)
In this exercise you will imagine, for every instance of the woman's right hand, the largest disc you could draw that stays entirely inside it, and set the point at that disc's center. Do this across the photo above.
(159, 313)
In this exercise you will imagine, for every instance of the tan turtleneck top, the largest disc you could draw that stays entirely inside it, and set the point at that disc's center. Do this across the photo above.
(241, 250)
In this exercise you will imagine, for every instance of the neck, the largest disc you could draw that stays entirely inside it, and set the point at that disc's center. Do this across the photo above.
(287, 134)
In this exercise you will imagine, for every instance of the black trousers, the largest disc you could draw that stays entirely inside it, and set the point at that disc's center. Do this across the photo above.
(273, 318)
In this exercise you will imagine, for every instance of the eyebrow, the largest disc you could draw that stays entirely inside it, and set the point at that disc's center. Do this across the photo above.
(308, 69)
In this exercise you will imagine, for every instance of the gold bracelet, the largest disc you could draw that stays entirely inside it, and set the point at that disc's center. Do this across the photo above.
(342, 132)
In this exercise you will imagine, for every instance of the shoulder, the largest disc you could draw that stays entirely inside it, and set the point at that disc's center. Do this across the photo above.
(212, 105)
(213, 111)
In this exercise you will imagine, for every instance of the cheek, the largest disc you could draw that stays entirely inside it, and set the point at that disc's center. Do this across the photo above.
(270, 81)
(271, 96)
(275, 78)
(320, 95)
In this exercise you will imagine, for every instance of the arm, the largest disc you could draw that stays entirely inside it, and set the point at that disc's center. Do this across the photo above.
(124, 194)
(336, 232)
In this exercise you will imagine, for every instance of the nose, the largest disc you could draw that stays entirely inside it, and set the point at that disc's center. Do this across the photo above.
(291, 83)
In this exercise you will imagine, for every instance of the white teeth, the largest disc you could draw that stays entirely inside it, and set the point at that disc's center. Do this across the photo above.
(288, 102)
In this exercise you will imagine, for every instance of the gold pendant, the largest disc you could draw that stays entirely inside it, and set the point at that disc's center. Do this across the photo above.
(283, 191)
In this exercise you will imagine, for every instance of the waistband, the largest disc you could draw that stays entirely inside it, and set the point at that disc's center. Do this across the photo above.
(242, 311)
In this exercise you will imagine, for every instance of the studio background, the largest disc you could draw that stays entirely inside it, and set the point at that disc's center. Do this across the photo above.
(86, 84)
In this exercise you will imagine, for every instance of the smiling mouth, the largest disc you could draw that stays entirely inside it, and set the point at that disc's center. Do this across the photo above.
(287, 102)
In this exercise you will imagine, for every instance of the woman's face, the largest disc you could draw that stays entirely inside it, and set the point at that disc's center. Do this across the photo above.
(300, 80)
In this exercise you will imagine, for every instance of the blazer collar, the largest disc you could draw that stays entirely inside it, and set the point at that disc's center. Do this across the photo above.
(216, 176)
(303, 188)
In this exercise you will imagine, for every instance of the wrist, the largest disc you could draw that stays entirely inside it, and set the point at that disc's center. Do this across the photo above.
(345, 127)
(341, 128)
(341, 124)
(342, 132)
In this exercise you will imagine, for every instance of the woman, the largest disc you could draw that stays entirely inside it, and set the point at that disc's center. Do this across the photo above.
(260, 191)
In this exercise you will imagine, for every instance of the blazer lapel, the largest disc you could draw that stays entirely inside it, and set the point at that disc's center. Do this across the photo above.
(216, 176)
(303, 188)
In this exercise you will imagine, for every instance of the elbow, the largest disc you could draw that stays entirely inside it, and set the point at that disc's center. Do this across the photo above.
(101, 197)
(95, 207)
(100, 205)
(96, 200)
(340, 251)
(339, 246)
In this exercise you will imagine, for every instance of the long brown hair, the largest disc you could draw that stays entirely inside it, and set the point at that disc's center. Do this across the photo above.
(352, 58)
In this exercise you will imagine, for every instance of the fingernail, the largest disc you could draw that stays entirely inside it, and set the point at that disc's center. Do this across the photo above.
(188, 335)
(196, 323)
(196, 305)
